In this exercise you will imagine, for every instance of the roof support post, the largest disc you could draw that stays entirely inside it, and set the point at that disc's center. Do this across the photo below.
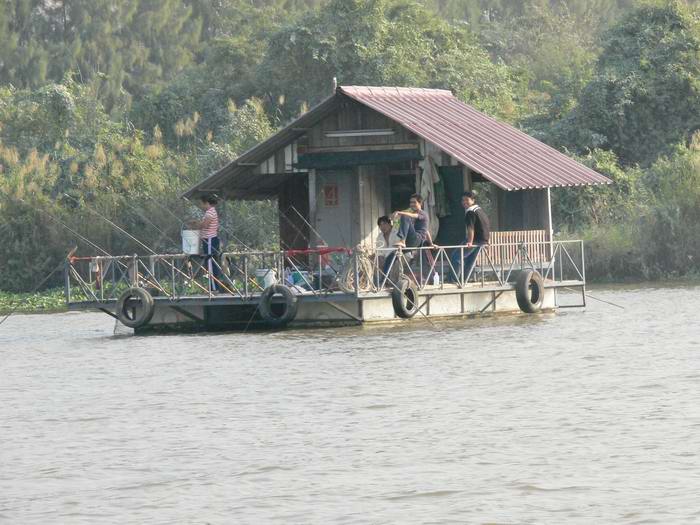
(550, 226)
(313, 203)
(466, 178)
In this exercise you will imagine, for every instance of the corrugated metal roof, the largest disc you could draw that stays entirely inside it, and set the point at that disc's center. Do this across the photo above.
(501, 153)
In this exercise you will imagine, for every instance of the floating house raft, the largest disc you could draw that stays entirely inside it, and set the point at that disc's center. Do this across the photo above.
(356, 156)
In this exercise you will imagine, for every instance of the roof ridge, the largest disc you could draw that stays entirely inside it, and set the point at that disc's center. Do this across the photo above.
(398, 90)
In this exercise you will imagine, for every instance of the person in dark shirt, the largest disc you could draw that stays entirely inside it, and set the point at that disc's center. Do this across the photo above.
(478, 235)
(413, 231)
(414, 227)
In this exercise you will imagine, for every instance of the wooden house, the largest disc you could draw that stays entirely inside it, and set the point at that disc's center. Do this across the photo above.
(363, 151)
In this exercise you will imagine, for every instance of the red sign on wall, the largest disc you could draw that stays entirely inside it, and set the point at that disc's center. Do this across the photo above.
(330, 195)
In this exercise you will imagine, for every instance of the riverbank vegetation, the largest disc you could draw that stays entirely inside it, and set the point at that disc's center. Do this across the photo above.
(51, 300)
(118, 119)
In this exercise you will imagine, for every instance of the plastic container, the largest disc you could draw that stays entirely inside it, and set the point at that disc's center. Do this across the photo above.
(266, 277)
(190, 242)
(301, 278)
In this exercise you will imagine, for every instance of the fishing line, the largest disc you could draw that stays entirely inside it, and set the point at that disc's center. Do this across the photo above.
(597, 299)
(116, 226)
(146, 219)
(42, 283)
(58, 221)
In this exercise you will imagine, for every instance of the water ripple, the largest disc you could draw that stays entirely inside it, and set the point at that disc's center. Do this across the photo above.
(579, 417)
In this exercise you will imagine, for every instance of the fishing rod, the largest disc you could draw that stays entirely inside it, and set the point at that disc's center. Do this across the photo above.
(61, 223)
(115, 226)
(313, 230)
(42, 283)
(222, 226)
(95, 245)
(78, 235)
(167, 210)
(126, 233)
(146, 219)
(183, 222)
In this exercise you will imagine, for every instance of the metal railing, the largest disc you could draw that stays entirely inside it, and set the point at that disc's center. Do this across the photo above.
(494, 265)
(319, 271)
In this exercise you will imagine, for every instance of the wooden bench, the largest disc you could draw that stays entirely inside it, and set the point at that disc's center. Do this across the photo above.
(504, 245)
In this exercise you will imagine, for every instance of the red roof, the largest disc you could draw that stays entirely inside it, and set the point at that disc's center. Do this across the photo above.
(501, 153)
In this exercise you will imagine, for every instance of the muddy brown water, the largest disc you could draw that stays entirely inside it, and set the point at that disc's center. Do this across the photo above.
(576, 417)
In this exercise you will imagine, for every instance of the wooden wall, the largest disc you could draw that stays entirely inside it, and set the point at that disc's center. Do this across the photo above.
(355, 116)
(522, 210)
(351, 116)
(373, 192)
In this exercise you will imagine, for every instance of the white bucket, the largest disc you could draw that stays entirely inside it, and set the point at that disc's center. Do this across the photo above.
(266, 277)
(190, 242)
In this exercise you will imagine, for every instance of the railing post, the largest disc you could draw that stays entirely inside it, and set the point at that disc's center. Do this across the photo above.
(583, 274)
(561, 264)
(102, 279)
(135, 270)
(245, 275)
(320, 272)
(172, 278)
(280, 265)
(502, 259)
(357, 273)
(66, 277)
(480, 258)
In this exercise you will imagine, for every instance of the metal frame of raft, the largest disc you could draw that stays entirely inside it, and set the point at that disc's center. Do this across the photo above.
(336, 286)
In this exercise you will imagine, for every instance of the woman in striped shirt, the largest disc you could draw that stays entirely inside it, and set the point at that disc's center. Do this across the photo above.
(209, 237)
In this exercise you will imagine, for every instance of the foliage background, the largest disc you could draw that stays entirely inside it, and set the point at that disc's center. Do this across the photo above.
(117, 107)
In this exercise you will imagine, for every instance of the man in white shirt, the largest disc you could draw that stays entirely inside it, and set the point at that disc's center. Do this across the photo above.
(386, 240)
(386, 245)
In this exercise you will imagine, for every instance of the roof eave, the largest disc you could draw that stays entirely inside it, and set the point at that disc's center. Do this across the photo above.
(264, 149)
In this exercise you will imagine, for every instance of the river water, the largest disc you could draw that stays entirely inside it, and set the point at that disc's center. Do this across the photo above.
(576, 417)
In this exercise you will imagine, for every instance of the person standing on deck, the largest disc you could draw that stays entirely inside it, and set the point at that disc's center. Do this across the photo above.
(209, 237)
(478, 235)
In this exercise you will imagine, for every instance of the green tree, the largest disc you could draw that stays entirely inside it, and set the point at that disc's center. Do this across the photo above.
(551, 49)
(645, 94)
(120, 47)
(381, 42)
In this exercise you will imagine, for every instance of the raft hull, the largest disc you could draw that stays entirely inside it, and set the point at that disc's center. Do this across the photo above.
(197, 313)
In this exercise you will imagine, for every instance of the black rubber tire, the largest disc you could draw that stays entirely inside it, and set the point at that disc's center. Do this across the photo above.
(291, 305)
(405, 298)
(141, 316)
(529, 291)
